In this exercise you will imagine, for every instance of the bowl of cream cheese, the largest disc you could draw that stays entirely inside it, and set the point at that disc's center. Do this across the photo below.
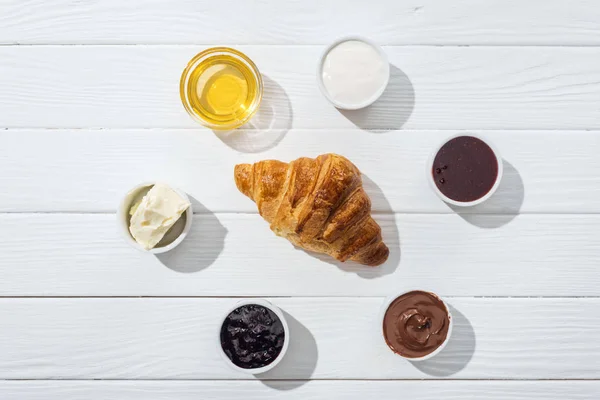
(353, 72)
(155, 217)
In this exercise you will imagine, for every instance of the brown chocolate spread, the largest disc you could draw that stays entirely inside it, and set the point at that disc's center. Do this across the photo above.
(416, 324)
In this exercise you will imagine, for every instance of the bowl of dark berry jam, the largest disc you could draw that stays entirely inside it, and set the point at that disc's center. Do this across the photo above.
(465, 170)
(253, 336)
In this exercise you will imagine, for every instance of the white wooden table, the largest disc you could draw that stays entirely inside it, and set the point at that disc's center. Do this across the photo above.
(89, 107)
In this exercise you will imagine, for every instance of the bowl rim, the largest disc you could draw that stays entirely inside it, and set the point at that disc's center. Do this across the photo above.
(475, 202)
(125, 206)
(286, 342)
(386, 304)
(321, 84)
(193, 63)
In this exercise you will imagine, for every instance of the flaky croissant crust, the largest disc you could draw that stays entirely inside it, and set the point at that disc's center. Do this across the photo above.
(317, 204)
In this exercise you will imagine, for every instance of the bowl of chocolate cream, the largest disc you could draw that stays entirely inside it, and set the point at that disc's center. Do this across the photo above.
(416, 324)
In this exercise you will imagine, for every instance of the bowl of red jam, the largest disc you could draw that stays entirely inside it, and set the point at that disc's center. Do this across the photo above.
(465, 170)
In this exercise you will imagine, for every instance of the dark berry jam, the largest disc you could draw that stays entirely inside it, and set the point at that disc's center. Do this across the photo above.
(252, 336)
(465, 169)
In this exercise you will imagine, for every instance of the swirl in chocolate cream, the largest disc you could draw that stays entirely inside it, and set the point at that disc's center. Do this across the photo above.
(416, 324)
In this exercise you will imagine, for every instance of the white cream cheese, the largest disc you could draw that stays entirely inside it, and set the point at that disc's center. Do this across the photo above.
(354, 73)
(160, 208)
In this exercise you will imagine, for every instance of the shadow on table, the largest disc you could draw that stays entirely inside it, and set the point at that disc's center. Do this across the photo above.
(267, 127)
(202, 246)
(458, 352)
(385, 218)
(505, 204)
(391, 110)
(300, 360)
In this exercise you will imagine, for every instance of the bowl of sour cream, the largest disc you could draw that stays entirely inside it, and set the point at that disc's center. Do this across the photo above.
(353, 72)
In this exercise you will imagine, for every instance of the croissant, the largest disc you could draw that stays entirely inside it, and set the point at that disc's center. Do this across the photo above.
(317, 204)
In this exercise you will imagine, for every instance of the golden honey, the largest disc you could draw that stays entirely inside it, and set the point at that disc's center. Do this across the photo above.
(221, 88)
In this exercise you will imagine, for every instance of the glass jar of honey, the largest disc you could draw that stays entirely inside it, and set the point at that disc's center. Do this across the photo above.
(221, 88)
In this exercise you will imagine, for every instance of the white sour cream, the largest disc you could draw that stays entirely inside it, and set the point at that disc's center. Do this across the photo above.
(354, 74)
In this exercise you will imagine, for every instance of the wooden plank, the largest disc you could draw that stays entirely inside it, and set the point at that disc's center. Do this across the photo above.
(298, 390)
(237, 255)
(330, 339)
(90, 170)
(559, 22)
(430, 88)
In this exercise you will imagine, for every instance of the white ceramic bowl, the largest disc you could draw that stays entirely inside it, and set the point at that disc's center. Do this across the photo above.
(286, 342)
(430, 177)
(123, 219)
(386, 305)
(366, 102)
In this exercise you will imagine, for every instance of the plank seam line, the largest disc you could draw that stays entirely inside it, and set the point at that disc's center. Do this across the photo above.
(195, 130)
(305, 297)
(366, 129)
(242, 213)
(302, 380)
(17, 44)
